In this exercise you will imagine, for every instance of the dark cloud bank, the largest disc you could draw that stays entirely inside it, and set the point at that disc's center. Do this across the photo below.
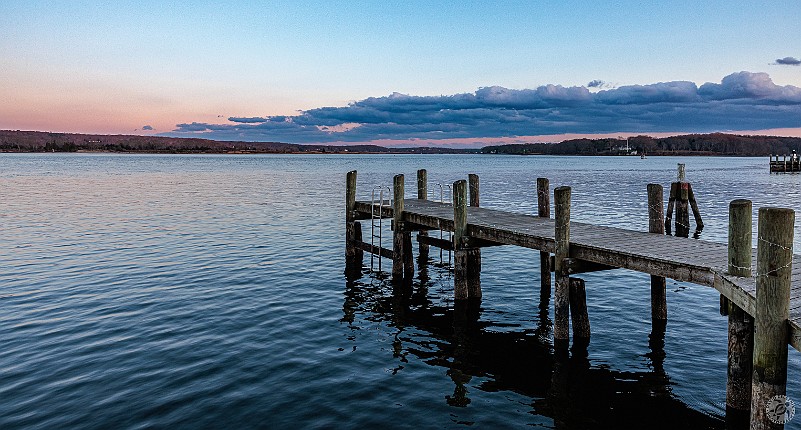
(788, 61)
(741, 101)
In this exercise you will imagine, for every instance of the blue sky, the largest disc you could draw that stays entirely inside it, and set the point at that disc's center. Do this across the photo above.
(185, 68)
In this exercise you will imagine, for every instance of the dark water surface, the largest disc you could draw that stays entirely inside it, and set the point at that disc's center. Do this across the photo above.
(141, 291)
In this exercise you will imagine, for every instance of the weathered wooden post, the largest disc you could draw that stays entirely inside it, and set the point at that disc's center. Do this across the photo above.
(699, 223)
(578, 311)
(398, 242)
(473, 253)
(671, 204)
(682, 198)
(422, 194)
(460, 271)
(774, 261)
(682, 226)
(655, 225)
(561, 330)
(544, 211)
(741, 326)
(472, 180)
(353, 254)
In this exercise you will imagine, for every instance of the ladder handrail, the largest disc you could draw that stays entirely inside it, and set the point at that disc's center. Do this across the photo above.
(441, 232)
(375, 213)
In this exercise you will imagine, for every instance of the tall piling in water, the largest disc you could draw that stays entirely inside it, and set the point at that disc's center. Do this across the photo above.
(741, 325)
(422, 194)
(774, 267)
(460, 266)
(544, 211)
(473, 253)
(655, 225)
(402, 264)
(353, 254)
(561, 331)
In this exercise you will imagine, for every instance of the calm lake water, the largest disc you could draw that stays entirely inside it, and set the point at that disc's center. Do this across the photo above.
(169, 291)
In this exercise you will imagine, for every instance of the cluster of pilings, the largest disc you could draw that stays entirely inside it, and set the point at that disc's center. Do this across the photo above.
(682, 199)
(787, 164)
(757, 346)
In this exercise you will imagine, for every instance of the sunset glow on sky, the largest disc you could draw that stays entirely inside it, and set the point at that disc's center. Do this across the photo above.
(400, 72)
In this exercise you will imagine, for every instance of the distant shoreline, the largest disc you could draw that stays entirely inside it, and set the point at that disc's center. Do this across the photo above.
(714, 144)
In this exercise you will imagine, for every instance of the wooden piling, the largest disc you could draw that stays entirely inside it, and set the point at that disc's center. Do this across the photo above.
(655, 225)
(699, 223)
(578, 310)
(774, 260)
(741, 325)
(544, 211)
(472, 179)
(473, 253)
(671, 204)
(460, 271)
(422, 194)
(561, 330)
(353, 255)
(682, 226)
(398, 242)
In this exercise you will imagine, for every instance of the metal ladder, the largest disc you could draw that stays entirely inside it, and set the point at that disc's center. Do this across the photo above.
(376, 223)
(441, 232)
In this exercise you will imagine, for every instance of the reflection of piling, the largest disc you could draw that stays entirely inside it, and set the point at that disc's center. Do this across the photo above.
(682, 199)
(774, 260)
(741, 325)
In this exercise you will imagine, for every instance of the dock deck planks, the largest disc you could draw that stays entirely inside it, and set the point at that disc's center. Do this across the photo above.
(682, 259)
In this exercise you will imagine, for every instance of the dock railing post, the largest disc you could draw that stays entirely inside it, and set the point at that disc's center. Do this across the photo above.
(422, 194)
(544, 211)
(741, 325)
(561, 331)
(353, 254)
(774, 261)
(473, 253)
(655, 225)
(460, 271)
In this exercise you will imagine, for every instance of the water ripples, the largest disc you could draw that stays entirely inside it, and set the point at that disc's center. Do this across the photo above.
(207, 291)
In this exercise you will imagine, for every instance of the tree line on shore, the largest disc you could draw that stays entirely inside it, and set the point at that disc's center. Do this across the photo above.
(37, 141)
(690, 144)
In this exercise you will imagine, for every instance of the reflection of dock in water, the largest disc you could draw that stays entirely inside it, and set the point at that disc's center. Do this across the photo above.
(752, 294)
(564, 387)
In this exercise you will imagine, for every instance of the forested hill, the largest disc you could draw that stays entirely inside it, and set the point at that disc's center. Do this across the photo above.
(690, 144)
(37, 141)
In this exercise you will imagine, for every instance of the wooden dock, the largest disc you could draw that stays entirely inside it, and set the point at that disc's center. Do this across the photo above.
(757, 358)
(689, 260)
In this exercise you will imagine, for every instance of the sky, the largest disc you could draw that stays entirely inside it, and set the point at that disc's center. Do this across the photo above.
(400, 72)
